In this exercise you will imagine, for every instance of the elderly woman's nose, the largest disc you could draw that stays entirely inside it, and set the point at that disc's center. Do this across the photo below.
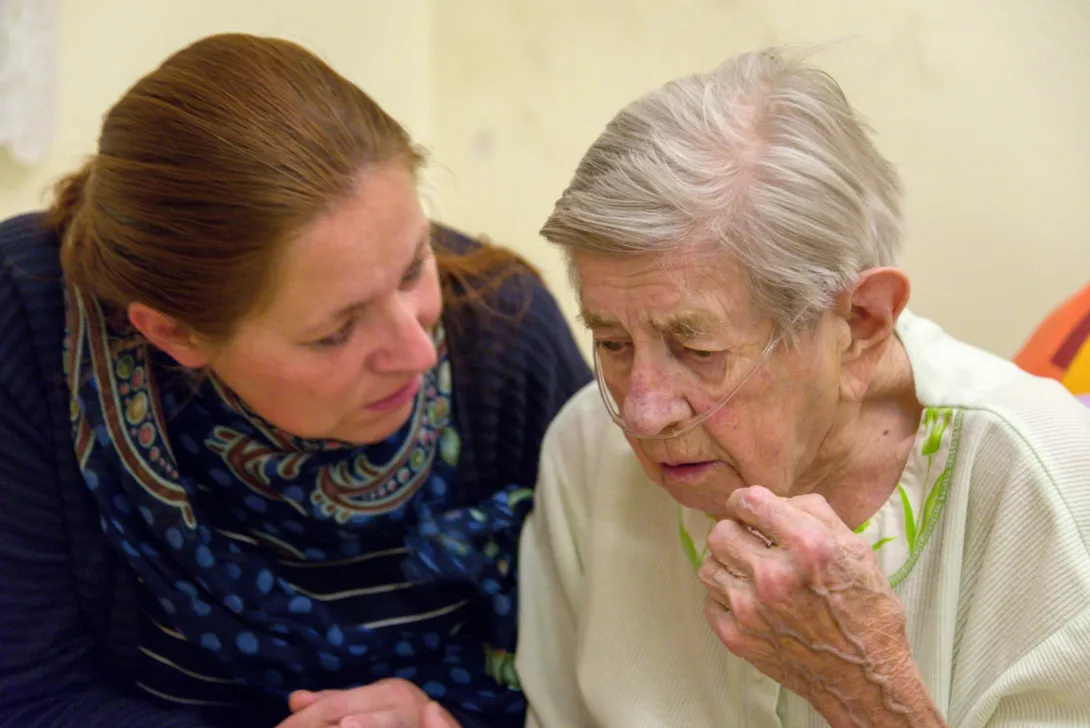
(651, 406)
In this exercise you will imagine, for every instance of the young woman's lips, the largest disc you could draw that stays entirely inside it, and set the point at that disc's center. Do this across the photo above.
(398, 399)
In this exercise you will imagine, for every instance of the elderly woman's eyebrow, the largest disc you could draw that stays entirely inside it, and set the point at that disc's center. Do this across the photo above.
(596, 322)
(687, 325)
(691, 325)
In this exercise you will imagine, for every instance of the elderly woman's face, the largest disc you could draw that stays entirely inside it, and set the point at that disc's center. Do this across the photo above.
(676, 333)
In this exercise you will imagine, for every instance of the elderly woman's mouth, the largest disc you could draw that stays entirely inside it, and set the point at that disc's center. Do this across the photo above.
(687, 471)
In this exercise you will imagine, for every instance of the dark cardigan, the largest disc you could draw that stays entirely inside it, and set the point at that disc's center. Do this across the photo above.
(68, 606)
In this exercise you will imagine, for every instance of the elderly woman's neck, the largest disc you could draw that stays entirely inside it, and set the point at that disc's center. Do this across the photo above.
(865, 455)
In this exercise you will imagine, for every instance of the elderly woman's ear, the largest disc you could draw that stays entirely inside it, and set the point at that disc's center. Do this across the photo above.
(868, 313)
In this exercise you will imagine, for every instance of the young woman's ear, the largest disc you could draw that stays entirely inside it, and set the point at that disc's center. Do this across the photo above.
(168, 335)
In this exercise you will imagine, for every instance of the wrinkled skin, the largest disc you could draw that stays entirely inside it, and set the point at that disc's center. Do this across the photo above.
(805, 602)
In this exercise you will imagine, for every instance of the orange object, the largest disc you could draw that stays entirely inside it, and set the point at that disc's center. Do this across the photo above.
(1060, 347)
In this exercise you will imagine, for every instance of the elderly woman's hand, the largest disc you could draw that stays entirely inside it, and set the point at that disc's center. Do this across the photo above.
(392, 703)
(795, 593)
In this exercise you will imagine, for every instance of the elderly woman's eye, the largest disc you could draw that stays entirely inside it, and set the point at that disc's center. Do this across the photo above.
(703, 356)
(613, 347)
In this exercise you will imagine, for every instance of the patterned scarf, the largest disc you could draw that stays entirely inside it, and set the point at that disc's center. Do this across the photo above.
(217, 512)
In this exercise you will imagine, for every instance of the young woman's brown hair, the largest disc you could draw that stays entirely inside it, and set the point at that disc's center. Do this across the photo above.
(211, 163)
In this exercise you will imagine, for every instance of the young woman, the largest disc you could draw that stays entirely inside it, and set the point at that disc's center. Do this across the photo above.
(266, 433)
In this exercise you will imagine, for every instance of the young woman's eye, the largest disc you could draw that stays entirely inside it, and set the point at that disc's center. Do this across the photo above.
(334, 340)
(414, 272)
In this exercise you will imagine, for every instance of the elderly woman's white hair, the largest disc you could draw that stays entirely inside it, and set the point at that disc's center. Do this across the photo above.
(763, 156)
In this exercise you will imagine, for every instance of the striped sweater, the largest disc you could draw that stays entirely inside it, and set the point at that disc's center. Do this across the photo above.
(77, 633)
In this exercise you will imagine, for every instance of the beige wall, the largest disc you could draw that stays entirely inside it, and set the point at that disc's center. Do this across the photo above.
(105, 45)
(983, 104)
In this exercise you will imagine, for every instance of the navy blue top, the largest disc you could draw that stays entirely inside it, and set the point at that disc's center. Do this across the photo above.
(76, 633)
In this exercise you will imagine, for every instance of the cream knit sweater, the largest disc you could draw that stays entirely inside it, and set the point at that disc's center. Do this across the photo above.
(998, 597)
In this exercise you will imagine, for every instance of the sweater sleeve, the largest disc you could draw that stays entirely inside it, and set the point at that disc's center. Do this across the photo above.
(49, 665)
(555, 366)
(1022, 651)
(550, 582)
(515, 365)
(1049, 685)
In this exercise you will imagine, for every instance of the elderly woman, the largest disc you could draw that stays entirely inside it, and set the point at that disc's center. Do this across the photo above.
(800, 505)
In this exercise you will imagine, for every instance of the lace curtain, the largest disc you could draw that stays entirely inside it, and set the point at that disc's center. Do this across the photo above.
(28, 77)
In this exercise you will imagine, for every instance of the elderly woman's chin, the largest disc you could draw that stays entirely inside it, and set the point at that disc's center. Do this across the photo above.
(704, 486)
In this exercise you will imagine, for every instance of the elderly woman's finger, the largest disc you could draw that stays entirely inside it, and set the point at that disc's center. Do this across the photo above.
(725, 625)
(718, 580)
(776, 518)
(735, 546)
(819, 508)
(733, 591)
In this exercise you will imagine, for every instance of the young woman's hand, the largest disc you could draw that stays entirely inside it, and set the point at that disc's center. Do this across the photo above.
(392, 703)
